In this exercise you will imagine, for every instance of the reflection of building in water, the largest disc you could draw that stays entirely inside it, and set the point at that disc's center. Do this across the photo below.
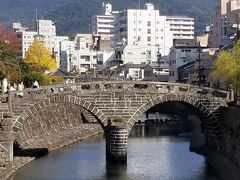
(159, 117)
(155, 124)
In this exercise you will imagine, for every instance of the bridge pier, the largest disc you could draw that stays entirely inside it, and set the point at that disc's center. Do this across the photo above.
(116, 143)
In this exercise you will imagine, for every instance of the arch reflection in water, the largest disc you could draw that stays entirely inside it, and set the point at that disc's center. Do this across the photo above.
(159, 157)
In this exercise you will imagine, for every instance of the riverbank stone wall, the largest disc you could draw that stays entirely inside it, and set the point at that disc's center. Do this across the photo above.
(230, 141)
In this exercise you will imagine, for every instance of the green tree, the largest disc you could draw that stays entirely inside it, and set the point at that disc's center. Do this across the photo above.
(9, 66)
(33, 76)
(227, 67)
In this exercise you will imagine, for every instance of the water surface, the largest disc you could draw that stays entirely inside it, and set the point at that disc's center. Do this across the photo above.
(151, 156)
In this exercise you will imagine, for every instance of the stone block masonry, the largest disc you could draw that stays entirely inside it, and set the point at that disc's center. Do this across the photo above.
(48, 110)
(230, 141)
(53, 142)
(116, 143)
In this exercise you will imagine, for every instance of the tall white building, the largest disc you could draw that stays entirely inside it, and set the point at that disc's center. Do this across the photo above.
(25, 37)
(105, 24)
(47, 29)
(181, 26)
(140, 34)
(45, 32)
(144, 27)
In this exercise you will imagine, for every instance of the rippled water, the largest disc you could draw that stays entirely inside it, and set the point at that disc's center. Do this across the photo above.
(149, 157)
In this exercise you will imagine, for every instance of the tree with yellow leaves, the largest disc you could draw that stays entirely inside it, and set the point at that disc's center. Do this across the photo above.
(227, 67)
(39, 58)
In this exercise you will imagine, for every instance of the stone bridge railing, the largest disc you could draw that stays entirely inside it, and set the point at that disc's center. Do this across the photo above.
(115, 86)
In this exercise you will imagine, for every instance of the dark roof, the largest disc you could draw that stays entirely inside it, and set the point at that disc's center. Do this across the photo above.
(61, 73)
(136, 66)
(185, 66)
(184, 42)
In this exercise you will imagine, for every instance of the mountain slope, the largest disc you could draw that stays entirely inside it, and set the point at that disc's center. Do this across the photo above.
(75, 15)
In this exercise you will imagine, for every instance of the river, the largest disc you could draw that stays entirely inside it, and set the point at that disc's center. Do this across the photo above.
(150, 156)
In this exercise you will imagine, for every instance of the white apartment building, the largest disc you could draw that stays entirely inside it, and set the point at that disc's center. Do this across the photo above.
(145, 28)
(181, 26)
(86, 53)
(57, 48)
(105, 24)
(45, 32)
(26, 38)
(47, 29)
(68, 55)
(140, 34)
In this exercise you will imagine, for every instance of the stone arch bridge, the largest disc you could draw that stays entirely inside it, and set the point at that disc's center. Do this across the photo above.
(105, 100)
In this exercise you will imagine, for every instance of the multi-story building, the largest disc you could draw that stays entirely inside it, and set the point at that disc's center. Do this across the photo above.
(105, 24)
(47, 29)
(225, 24)
(26, 38)
(82, 53)
(45, 32)
(144, 28)
(182, 52)
(181, 26)
(141, 34)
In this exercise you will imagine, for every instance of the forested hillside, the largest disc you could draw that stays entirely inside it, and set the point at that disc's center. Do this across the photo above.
(73, 16)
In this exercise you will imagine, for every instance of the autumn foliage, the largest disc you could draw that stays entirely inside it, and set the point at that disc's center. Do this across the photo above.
(39, 58)
(10, 38)
(227, 67)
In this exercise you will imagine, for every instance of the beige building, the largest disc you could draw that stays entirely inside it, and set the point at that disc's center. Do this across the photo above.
(226, 18)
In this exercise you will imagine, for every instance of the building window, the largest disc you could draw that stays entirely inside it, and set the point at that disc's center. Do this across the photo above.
(149, 31)
(148, 38)
(139, 22)
(129, 53)
(149, 23)
(139, 29)
(135, 73)
(86, 58)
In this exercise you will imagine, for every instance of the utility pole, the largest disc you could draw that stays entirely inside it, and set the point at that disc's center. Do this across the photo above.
(199, 64)
(237, 34)
(159, 61)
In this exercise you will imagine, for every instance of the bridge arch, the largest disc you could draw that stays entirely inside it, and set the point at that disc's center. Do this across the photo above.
(194, 101)
(32, 110)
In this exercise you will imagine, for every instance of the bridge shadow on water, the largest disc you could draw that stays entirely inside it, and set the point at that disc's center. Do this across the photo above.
(31, 152)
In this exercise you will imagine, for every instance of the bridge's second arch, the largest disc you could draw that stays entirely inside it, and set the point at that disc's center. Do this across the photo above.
(206, 108)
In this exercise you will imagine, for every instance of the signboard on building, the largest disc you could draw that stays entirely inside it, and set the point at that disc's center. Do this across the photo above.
(148, 56)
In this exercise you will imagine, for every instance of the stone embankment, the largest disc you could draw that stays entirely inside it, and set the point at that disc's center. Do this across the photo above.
(226, 161)
(53, 142)
(230, 142)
